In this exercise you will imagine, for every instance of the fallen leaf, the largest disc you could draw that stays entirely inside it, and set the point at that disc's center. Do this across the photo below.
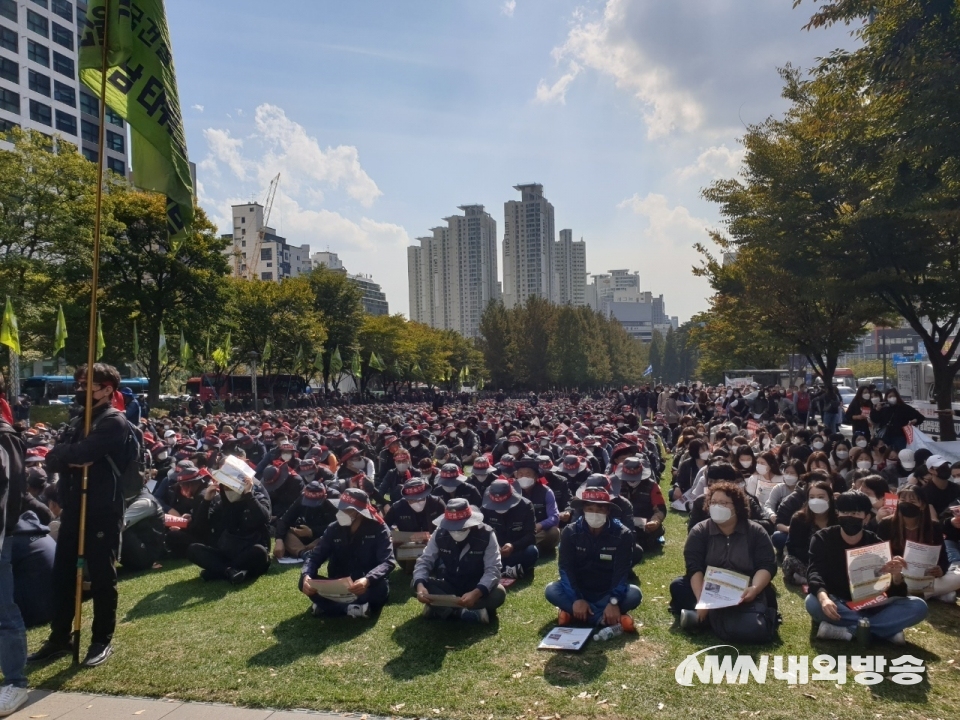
(624, 687)
(583, 695)
(139, 712)
(526, 665)
(602, 702)
(810, 695)
(517, 675)
(659, 706)
(398, 706)
(38, 716)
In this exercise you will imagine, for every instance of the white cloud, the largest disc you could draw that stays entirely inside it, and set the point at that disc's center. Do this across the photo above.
(713, 163)
(198, 108)
(558, 91)
(224, 149)
(300, 158)
(607, 46)
(508, 7)
(666, 224)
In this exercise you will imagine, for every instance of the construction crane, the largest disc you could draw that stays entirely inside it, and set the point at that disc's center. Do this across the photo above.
(253, 260)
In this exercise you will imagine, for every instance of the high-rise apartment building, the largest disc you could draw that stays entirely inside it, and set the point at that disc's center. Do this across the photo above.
(452, 274)
(273, 258)
(39, 86)
(571, 260)
(374, 300)
(617, 285)
(528, 247)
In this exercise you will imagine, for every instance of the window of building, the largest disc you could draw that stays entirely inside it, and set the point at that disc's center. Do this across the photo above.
(38, 82)
(243, 243)
(41, 113)
(38, 23)
(113, 118)
(66, 123)
(62, 36)
(269, 264)
(243, 218)
(266, 276)
(9, 101)
(9, 40)
(38, 53)
(118, 166)
(8, 9)
(62, 8)
(9, 70)
(266, 253)
(63, 65)
(88, 104)
(41, 3)
(88, 131)
(115, 141)
(251, 209)
(64, 93)
(243, 232)
(89, 154)
(7, 125)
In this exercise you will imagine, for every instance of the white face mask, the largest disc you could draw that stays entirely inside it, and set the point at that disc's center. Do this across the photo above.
(864, 465)
(704, 456)
(762, 469)
(595, 519)
(417, 505)
(544, 442)
(232, 495)
(357, 464)
(720, 514)
(513, 449)
(818, 445)
(790, 480)
(892, 400)
(843, 454)
(459, 535)
(449, 488)
(161, 456)
(861, 443)
(286, 457)
(344, 518)
(526, 482)
(402, 467)
(414, 443)
(746, 462)
(795, 441)
(818, 505)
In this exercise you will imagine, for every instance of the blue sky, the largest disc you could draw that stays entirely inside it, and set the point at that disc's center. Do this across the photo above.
(384, 116)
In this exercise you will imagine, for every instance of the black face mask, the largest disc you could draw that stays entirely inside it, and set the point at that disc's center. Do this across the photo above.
(909, 510)
(943, 472)
(851, 525)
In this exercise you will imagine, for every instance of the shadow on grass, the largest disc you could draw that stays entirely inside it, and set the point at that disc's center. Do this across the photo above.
(61, 678)
(564, 669)
(178, 596)
(303, 635)
(426, 643)
(944, 617)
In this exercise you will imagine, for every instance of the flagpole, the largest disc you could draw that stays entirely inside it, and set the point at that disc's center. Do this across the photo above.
(91, 335)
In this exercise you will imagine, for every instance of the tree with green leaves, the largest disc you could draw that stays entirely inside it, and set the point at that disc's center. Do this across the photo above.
(494, 342)
(340, 305)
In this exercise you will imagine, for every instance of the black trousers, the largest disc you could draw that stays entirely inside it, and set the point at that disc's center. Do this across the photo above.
(254, 559)
(102, 546)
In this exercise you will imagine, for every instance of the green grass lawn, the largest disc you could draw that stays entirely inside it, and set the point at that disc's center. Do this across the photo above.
(257, 646)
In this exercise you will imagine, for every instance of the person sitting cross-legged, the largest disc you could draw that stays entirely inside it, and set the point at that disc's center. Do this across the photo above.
(829, 581)
(513, 520)
(595, 558)
(359, 549)
(300, 528)
(462, 558)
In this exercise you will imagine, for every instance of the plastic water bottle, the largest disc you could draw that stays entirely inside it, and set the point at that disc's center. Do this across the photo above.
(611, 631)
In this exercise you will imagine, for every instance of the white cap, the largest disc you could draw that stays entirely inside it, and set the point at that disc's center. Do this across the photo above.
(169, 434)
(935, 461)
(907, 459)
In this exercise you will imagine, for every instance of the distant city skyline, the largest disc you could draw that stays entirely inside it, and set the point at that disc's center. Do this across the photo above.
(381, 117)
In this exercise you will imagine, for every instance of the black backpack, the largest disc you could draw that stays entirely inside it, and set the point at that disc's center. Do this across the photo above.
(130, 478)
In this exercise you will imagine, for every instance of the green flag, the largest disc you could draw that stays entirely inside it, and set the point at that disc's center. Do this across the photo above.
(60, 334)
(142, 88)
(466, 372)
(162, 355)
(417, 372)
(100, 343)
(186, 352)
(479, 384)
(298, 360)
(336, 363)
(9, 332)
(376, 363)
(267, 352)
(318, 361)
(396, 369)
(355, 365)
(136, 341)
(207, 355)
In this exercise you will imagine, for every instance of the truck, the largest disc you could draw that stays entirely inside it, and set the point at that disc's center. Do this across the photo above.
(915, 383)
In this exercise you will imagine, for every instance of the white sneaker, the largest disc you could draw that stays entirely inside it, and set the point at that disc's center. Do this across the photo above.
(950, 597)
(898, 639)
(11, 698)
(833, 632)
(358, 611)
(513, 571)
(679, 506)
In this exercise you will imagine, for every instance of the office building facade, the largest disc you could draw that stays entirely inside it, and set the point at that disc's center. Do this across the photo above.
(273, 258)
(39, 85)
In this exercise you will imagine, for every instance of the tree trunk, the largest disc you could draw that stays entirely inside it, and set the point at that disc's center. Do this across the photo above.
(943, 375)
(153, 387)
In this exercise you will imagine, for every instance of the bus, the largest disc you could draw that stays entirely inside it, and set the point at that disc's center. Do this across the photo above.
(42, 389)
(210, 386)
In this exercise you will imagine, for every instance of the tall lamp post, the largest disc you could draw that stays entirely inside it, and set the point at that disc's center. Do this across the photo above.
(253, 355)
